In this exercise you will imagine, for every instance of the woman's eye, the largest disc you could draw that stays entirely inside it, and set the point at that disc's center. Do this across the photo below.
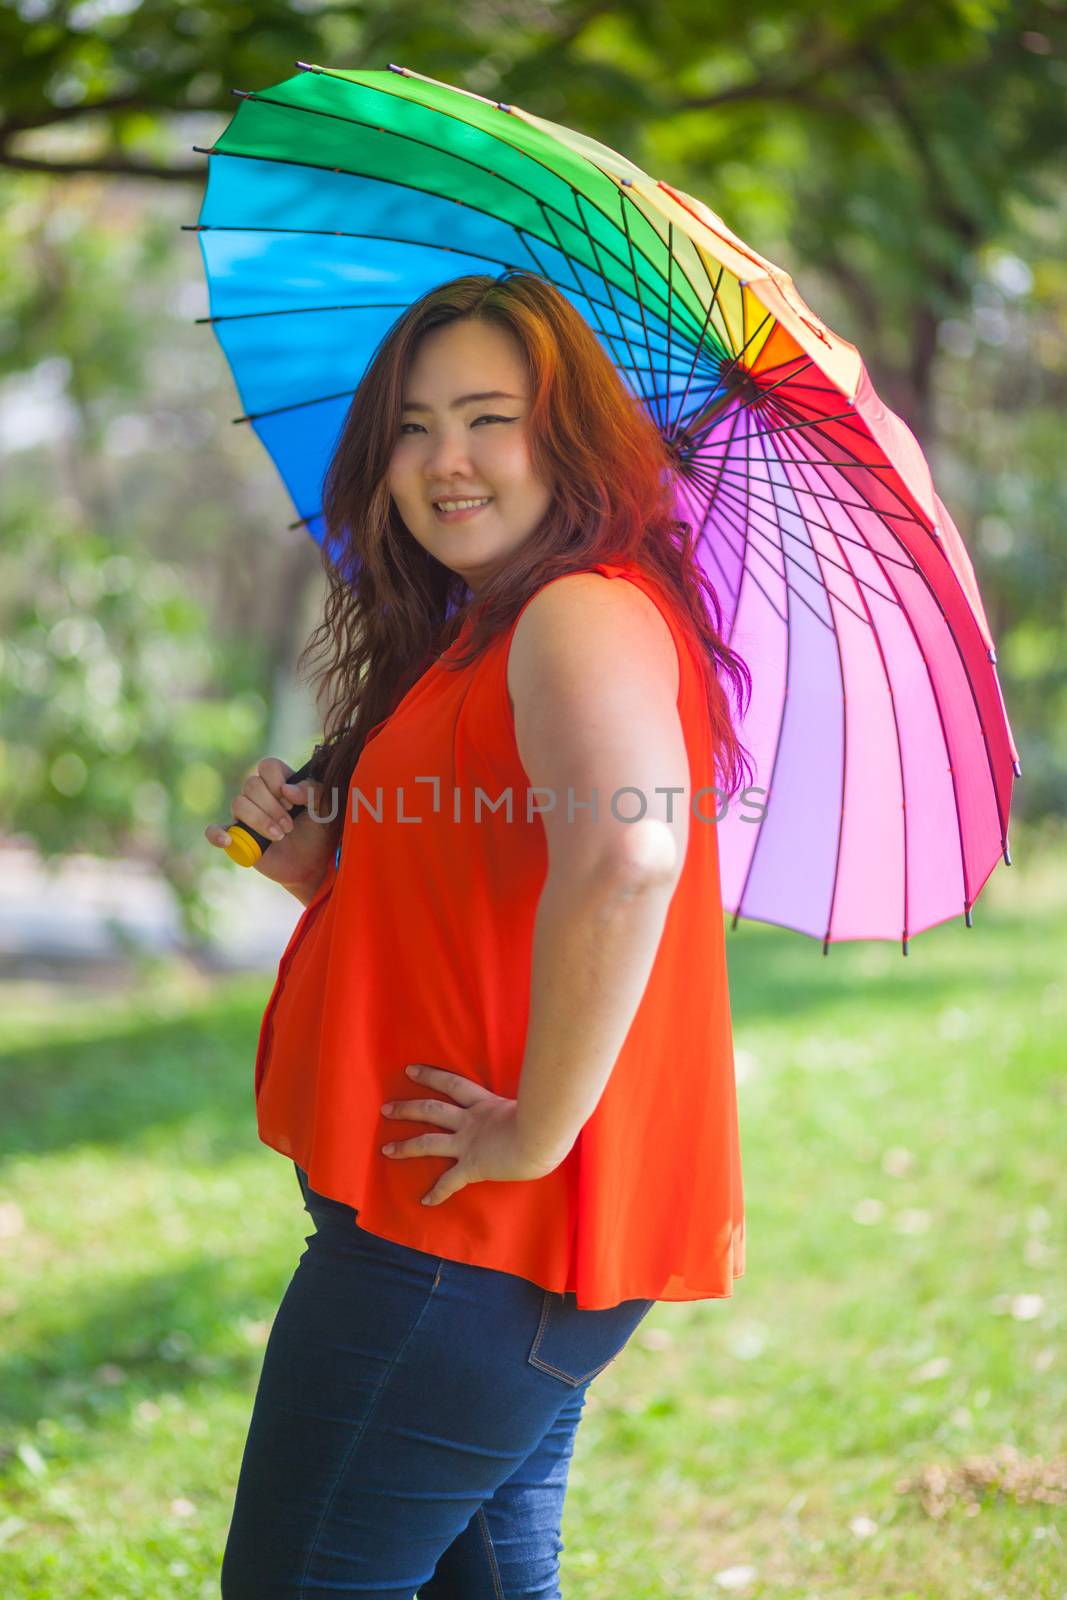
(405, 425)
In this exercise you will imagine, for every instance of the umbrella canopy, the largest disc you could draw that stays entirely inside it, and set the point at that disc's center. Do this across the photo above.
(876, 726)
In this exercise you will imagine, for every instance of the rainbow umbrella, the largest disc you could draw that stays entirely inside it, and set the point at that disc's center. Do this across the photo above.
(876, 725)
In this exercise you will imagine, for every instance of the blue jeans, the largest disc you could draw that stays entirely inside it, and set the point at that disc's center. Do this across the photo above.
(413, 1426)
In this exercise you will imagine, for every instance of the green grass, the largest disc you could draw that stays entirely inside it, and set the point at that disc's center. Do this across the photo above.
(902, 1309)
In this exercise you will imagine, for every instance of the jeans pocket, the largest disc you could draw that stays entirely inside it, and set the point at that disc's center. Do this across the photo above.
(573, 1345)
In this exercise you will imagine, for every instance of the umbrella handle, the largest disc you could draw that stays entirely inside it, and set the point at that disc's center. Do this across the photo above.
(246, 845)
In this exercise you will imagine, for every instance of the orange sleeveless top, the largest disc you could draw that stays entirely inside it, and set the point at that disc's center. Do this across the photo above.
(418, 946)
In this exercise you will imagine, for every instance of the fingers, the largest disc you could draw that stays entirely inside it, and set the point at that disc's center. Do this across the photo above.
(424, 1144)
(258, 816)
(298, 791)
(444, 1188)
(265, 802)
(463, 1090)
(259, 805)
(276, 775)
(439, 1111)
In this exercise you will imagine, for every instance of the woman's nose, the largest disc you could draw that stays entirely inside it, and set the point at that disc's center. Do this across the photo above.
(447, 452)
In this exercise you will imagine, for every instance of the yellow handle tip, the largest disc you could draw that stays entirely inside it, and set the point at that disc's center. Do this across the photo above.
(243, 848)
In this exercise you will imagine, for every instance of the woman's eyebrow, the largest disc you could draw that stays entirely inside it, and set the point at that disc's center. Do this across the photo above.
(464, 399)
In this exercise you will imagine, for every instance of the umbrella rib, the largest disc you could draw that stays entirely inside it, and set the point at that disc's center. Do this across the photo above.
(735, 360)
(769, 791)
(630, 366)
(670, 273)
(780, 407)
(625, 193)
(296, 405)
(702, 535)
(805, 360)
(501, 139)
(640, 302)
(768, 389)
(566, 256)
(806, 544)
(745, 567)
(791, 377)
(315, 400)
(385, 238)
(295, 311)
(699, 538)
(815, 388)
(413, 139)
(715, 301)
(714, 287)
(751, 495)
(734, 404)
(607, 285)
(785, 427)
(729, 517)
(673, 422)
(970, 682)
(726, 470)
(384, 305)
(819, 586)
(968, 901)
(736, 417)
(1001, 816)
(853, 465)
(868, 618)
(840, 831)
(751, 422)
(714, 554)
(701, 436)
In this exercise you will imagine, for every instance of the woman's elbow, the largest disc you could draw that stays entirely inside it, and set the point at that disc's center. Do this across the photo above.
(650, 852)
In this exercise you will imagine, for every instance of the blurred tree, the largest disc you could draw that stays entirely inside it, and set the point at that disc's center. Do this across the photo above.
(152, 598)
(881, 141)
(116, 730)
(1000, 461)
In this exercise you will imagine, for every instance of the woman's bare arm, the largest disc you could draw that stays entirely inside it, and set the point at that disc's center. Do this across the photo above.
(593, 676)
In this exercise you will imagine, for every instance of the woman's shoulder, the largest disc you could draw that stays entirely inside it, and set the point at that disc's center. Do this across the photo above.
(579, 625)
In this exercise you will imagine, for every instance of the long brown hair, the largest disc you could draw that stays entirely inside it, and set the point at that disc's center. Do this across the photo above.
(391, 607)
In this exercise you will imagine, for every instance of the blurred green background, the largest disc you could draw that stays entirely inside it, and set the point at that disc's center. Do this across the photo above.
(903, 1309)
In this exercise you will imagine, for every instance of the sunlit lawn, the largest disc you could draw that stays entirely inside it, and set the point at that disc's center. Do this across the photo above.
(902, 1311)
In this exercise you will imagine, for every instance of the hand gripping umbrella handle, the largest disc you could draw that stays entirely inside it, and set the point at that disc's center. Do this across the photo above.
(246, 844)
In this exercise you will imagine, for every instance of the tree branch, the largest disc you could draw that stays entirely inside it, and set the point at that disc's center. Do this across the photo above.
(800, 86)
(113, 166)
(939, 189)
(49, 116)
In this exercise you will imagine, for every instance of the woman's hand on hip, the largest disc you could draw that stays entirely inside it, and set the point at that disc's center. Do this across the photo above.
(479, 1133)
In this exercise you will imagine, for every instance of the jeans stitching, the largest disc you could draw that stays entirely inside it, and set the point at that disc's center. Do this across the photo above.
(494, 1570)
(370, 1412)
(546, 1366)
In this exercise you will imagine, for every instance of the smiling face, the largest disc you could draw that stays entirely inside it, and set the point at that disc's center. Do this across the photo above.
(452, 446)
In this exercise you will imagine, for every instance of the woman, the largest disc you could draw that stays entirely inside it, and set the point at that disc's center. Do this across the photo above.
(510, 878)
